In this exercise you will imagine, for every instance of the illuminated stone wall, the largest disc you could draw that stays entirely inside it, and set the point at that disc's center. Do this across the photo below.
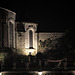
(52, 35)
(20, 42)
(33, 28)
(45, 36)
(7, 17)
(22, 38)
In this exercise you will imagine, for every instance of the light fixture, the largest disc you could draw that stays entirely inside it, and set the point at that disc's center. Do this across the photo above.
(39, 73)
(0, 73)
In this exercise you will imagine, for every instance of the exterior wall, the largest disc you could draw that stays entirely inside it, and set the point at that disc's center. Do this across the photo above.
(45, 36)
(23, 39)
(0, 34)
(36, 42)
(33, 28)
(21, 42)
(3, 18)
(52, 35)
(6, 16)
(11, 18)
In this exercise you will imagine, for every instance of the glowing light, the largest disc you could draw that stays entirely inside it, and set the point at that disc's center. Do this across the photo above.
(39, 73)
(0, 73)
(30, 51)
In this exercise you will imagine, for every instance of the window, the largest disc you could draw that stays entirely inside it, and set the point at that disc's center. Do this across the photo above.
(11, 34)
(0, 35)
(30, 38)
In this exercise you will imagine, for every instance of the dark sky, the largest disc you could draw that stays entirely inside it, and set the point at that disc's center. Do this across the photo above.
(51, 15)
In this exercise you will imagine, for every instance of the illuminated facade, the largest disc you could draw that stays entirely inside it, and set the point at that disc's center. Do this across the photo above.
(28, 39)
(7, 28)
(21, 35)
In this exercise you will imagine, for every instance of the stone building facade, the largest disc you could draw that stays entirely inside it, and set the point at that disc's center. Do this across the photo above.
(7, 28)
(21, 35)
(28, 39)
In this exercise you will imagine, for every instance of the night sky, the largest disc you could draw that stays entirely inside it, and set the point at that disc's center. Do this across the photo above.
(50, 16)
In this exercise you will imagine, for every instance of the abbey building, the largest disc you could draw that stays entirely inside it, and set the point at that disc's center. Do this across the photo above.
(21, 35)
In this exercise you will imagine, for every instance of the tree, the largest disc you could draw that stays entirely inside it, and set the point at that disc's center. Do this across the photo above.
(58, 48)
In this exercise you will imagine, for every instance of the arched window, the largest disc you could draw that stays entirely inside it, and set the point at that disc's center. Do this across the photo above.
(11, 34)
(31, 39)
